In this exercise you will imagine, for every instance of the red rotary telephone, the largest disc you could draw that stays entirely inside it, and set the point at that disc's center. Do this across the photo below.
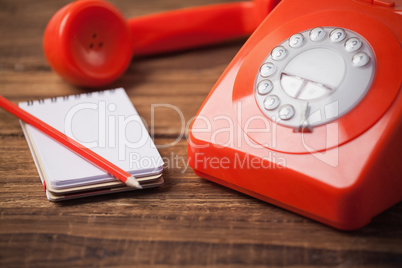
(307, 116)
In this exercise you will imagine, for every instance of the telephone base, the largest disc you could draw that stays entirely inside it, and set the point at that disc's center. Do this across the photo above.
(338, 225)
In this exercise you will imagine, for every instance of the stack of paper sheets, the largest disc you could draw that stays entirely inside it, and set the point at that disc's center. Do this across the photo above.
(105, 122)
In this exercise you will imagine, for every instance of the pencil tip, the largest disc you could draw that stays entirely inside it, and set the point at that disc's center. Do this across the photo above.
(132, 182)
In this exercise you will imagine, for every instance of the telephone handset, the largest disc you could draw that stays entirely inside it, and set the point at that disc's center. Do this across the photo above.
(307, 115)
(90, 43)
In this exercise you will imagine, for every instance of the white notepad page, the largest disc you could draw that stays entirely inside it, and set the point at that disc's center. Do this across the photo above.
(107, 123)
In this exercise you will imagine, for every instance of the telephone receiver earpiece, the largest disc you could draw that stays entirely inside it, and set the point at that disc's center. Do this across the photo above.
(90, 43)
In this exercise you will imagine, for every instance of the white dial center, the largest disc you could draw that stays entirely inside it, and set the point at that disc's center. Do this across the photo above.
(320, 65)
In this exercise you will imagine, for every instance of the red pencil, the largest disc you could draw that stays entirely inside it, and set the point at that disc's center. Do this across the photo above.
(71, 144)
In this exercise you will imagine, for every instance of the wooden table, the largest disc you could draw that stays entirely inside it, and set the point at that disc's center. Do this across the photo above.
(187, 222)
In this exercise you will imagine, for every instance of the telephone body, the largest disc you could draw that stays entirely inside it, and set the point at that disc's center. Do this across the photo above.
(307, 116)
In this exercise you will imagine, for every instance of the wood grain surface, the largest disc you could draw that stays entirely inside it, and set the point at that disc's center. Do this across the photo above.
(189, 222)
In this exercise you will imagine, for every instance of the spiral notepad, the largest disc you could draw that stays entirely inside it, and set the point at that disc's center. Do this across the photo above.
(105, 122)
